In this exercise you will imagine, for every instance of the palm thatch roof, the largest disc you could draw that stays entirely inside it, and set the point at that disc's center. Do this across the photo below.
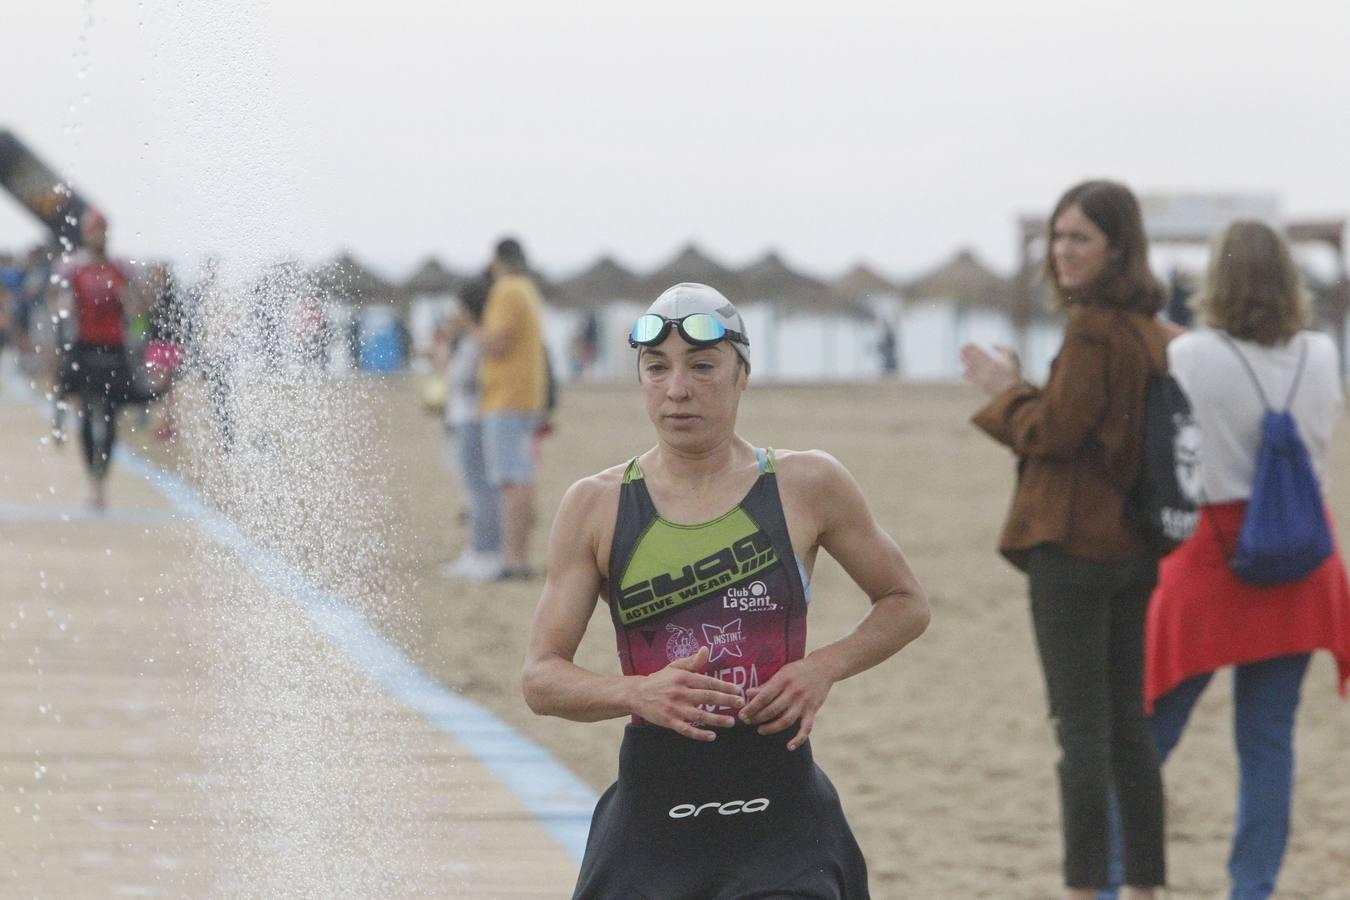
(861, 283)
(432, 278)
(691, 264)
(962, 279)
(771, 279)
(604, 282)
(346, 278)
(286, 278)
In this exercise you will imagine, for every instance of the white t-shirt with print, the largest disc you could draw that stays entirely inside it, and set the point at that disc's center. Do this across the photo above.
(1228, 408)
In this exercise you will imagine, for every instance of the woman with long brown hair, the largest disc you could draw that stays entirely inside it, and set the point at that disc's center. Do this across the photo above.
(1255, 349)
(1090, 570)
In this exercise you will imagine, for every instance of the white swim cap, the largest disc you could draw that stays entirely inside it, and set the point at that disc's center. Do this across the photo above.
(689, 297)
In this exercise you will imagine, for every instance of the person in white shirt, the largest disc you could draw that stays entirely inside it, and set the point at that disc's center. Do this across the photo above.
(481, 560)
(1202, 617)
(1228, 408)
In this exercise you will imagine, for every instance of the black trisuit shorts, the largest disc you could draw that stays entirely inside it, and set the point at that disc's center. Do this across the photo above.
(739, 817)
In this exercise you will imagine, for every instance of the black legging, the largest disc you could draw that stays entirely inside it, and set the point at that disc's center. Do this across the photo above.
(103, 382)
(1089, 622)
(98, 432)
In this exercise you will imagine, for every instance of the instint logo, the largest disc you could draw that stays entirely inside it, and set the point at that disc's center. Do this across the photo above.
(723, 640)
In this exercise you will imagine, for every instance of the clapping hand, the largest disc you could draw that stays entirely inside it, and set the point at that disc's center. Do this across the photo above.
(992, 372)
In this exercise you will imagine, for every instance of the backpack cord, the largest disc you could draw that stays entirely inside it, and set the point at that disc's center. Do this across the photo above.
(1251, 373)
(1298, 376)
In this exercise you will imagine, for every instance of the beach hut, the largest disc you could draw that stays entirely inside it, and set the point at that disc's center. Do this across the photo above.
(769, 279)
(691, 264)
(799, 328)
(604, 281)
(862, 285)
(346, 278)
(587, 316)
(960, 300)
(366, 314)
(614, 297)
(430, 294)
(802, 331)
(432, 280)
(963, 280)
(863, 288)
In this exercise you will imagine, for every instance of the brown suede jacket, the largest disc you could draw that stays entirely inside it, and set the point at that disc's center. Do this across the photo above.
(1077, 439)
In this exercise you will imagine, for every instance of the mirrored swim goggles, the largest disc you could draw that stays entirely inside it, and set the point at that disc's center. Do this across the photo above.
(699, 329)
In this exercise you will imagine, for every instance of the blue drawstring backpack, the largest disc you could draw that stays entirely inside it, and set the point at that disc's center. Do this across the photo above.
(1285, 534)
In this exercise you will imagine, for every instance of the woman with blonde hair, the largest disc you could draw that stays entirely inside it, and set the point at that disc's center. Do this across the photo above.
(1090, 569)
(1255, 347)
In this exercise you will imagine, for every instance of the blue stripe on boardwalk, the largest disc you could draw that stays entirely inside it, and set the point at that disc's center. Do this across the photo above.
(560, 801)
(13, 512)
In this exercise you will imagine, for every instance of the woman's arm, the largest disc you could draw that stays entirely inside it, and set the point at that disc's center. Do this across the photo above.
(1056, 420)
(898, 612)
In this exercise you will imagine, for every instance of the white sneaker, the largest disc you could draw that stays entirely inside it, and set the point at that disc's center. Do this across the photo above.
(473, 567)
(486, 567)
(458, 568)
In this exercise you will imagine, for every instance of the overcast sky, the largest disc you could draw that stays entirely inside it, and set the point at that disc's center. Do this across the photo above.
(893, 132)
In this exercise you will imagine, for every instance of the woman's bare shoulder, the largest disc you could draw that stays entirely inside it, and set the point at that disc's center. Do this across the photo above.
(811, 470)
(596, 489)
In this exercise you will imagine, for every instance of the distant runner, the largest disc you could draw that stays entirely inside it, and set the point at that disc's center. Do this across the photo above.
(95, 367)
(703, 547)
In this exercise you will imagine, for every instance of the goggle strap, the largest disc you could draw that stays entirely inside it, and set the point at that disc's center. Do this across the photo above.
(681, 323)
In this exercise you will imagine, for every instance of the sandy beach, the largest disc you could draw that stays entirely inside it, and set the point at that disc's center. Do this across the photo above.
(943, 756)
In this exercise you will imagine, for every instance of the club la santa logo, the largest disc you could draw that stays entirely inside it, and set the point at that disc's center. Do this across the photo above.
(754, 597)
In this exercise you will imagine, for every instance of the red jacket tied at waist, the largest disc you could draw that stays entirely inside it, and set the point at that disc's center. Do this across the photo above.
(1202, 618)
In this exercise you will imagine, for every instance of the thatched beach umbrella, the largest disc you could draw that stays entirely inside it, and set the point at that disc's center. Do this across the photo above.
(692, 265)
(432, 279)
(606, 281)
(771, 280)
(862, 284)
(346, 279)
(963, 280)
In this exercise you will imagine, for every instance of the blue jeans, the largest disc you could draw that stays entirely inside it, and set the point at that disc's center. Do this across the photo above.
(484, 520)
(1265, 701)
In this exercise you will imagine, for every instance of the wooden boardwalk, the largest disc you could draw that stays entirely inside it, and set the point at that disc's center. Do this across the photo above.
(127, 769)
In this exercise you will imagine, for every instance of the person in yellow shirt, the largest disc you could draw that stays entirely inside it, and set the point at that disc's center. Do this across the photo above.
(512, 384)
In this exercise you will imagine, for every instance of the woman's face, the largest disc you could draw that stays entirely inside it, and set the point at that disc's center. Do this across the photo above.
(1081, 250)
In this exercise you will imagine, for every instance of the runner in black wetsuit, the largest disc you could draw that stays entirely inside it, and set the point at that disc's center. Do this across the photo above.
(703, 548)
